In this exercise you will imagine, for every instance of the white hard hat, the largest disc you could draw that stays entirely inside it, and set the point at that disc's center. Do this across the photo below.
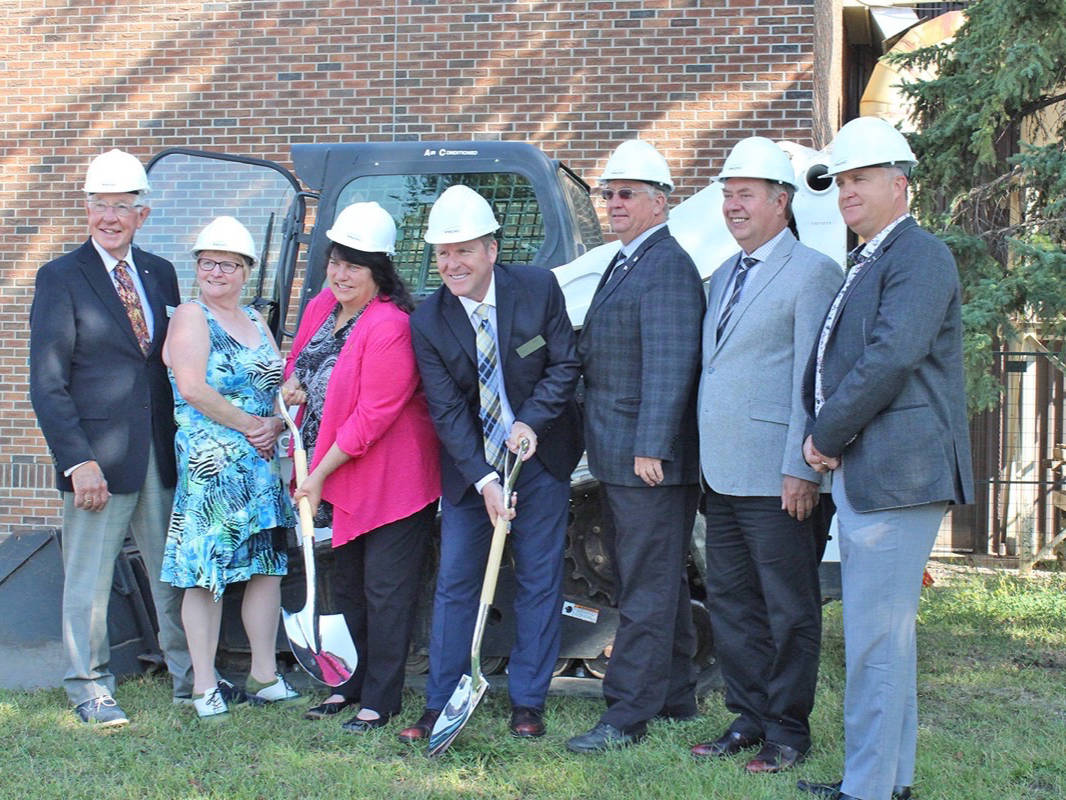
(637, 160)
(868, 142)
(459, 215)
(759, 157)
(115, 172)
(364, 226)
(227, 235)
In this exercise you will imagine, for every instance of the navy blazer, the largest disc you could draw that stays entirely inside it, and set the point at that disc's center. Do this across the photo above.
(640, 352)
(96, 395)
(892, 376)
(540, 373)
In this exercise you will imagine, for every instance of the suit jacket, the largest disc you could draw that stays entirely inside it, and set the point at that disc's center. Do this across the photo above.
(751, 414)
(895, 397)
(540, 381)
(96, 395)
(640, 350)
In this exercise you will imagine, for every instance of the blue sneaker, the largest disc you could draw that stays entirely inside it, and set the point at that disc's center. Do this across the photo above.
(102, 711)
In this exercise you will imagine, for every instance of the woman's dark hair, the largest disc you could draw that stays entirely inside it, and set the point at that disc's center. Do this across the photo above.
(389, 282)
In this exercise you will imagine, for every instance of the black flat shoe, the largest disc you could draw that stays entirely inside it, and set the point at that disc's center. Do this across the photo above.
(356, 725)
(323, 710)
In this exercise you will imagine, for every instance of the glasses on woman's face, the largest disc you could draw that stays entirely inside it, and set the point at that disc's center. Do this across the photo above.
(208, 265)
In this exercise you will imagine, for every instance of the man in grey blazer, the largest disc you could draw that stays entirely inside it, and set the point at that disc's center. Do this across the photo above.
(764, 312)
(885, 389)
(105, 406)
(639, 351)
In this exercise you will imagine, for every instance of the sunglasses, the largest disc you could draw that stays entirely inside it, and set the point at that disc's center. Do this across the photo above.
(624, 194)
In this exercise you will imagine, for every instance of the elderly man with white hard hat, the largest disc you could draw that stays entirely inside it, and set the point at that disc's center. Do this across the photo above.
(886, 395)
(495, 350)
(104, 404)
(765, 307)
(639, 351)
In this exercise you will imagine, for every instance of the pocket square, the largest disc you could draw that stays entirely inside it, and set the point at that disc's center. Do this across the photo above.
(532, 346)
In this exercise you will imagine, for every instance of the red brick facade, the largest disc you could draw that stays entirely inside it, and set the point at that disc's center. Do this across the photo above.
(575, 78)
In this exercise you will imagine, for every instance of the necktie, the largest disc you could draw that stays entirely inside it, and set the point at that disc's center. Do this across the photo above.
(488, 378)
(128, 295)
(614, 268)
(745, 264)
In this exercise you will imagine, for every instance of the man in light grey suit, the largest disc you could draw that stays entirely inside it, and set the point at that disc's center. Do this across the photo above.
(764, 312)
(885, 389)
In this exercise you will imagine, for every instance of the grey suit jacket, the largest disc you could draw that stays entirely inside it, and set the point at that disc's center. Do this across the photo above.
(639, 350)
(895, 398)
(751, 415)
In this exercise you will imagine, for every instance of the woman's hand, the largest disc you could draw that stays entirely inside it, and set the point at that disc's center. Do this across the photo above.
(292, 392)
(311, 488)
(263, 434)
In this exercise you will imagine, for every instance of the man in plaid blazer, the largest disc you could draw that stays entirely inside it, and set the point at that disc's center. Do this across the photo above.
(640, 354)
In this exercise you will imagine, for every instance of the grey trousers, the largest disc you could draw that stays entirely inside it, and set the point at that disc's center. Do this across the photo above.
(91, 541)
(882, 558)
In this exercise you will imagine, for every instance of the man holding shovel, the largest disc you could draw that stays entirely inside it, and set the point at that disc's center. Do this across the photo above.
(495, 350)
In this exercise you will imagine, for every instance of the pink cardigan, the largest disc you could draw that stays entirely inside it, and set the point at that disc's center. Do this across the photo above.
(376, 412)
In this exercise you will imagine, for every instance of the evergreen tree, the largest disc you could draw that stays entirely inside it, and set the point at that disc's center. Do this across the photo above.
(999, 203)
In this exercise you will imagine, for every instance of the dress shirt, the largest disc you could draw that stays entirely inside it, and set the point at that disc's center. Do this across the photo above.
(506, 414)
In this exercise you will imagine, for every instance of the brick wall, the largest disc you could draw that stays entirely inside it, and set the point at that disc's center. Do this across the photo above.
(692, 76)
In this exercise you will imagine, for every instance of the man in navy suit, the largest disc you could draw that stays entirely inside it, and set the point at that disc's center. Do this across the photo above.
(885, 389)
(520, 313)
(104, 404)
(639, 350)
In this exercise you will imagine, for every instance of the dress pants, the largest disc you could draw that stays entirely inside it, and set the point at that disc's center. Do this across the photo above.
(376, 577)
(537, 538)
(765, 603)
(882, 559)
(91, 542)
(651, 661)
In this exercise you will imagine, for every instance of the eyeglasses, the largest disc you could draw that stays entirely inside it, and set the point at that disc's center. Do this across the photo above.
(624, 194)
(122, 210)
(207, 265)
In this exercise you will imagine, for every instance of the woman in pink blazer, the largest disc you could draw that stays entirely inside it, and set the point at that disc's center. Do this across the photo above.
(373, 453)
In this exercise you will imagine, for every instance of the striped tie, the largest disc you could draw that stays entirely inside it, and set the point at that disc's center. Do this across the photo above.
(132, 303)
(745, 264)
(488, 375)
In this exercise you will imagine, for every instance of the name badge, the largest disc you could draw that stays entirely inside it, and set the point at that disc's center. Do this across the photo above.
(532, 346)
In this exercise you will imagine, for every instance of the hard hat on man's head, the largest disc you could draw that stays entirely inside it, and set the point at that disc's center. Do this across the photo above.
(227, 235)
(115, 172)
(869, 142)
(366, 227)
(638, 160)
(459, 215)
(759, 157)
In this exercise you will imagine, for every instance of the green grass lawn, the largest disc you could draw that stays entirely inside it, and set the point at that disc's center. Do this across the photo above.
(992, 698)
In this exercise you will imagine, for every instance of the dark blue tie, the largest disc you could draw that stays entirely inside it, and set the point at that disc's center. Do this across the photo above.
(745, 264)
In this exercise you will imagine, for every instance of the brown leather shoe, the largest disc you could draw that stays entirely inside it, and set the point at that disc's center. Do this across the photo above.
(421, 729)
(526, 722)
(728, 744)
(774, 757)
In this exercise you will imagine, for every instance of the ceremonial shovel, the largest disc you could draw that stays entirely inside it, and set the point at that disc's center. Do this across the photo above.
(322, 645)
(471, 687)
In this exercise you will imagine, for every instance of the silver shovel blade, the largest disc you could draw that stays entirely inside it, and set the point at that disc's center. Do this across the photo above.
(455, 715)
(330, 657)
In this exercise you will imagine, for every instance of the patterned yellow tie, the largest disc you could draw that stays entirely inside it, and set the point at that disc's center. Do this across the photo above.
(128, 295)
(488, 378)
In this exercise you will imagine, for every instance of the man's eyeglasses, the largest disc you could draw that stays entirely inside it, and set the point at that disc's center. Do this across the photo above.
(122, 210)
(624, 193)
(207, 265)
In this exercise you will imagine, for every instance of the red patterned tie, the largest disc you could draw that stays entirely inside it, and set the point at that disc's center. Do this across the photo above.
(128, 295)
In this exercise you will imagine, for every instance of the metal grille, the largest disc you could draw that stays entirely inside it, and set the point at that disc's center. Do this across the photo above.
(409, 198)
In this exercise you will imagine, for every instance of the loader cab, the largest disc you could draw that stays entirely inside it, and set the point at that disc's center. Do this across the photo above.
(546, 215)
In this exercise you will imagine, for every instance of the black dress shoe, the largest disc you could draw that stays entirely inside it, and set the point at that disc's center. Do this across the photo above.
(357, 725)
(774, 757)
(327, 709)
(603, 736)
(421, 729)
(527, 722)
(728, 744)
(832, 790)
